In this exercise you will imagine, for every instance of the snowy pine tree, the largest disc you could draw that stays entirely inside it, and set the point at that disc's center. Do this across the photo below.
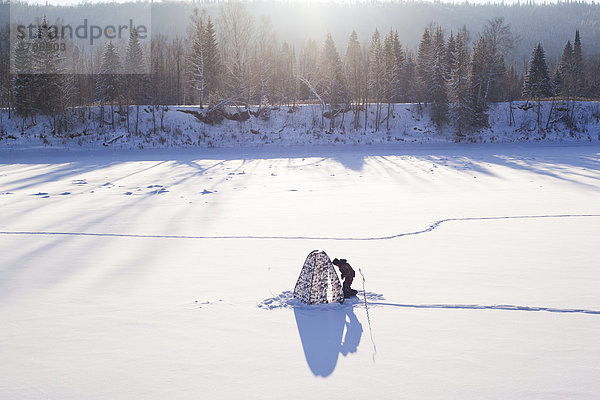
(460, 94)
(376, 75)
(564, 80)
(136, 81)
(537, 80)
(437, 79)
(578, 68)
(212, 60)
(203, 60)
(108, 82)
(46, 62)
(409, 79)
(23, 79)
(424, 62)
(391, 81)
(399, 60)
(450, 48)
(354, 70)
(478, 78)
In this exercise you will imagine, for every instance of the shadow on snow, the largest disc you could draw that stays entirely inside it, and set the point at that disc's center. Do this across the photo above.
(327, 330)
(323, 337)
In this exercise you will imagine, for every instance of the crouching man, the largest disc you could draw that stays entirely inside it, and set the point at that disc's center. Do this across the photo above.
(347, 275)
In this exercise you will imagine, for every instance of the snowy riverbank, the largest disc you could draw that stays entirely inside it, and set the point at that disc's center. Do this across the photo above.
(408, 123)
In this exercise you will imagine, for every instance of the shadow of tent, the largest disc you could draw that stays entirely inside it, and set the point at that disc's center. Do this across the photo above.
(321, 333)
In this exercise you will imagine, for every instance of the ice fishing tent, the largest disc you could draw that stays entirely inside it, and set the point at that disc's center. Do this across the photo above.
(318, 281)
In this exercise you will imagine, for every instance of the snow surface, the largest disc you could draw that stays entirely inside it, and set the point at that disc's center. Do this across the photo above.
(162, 274)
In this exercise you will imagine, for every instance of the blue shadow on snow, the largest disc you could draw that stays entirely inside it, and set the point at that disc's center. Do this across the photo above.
(322, 335)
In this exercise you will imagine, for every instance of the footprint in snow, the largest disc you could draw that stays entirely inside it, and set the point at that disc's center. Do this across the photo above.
(159, 191)
(128, 193)
(79, 182)
(65, 193)
(206, 303)
(207, 191)
(154, 186)
(42, 194)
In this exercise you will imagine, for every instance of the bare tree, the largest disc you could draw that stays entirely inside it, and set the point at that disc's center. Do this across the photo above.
(197, 56)
(286, 84)
(333, 84)
(310, 75)
(236, 30)
(499, 41)
(263, 62)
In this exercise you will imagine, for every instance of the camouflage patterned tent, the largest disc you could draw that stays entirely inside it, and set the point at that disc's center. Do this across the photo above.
(318, 281)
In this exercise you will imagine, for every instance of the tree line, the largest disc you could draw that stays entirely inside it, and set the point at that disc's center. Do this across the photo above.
(234, 60)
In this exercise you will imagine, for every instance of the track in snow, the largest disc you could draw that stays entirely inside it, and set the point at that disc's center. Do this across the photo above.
(286, 300)
(430, 228)
(505, 307)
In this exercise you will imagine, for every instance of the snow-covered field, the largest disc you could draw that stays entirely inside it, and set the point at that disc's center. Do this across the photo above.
(164, 274)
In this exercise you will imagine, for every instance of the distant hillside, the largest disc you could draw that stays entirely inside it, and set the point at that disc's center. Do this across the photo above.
(553, 24)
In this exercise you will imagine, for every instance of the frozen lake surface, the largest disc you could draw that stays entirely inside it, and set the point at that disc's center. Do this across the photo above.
(163, 274)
